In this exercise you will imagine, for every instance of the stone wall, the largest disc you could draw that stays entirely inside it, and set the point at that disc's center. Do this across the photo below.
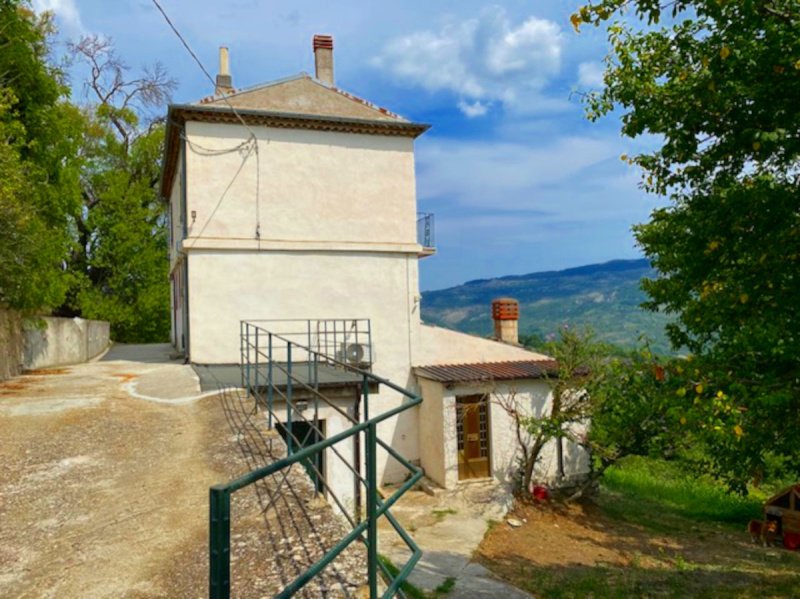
(51, 341)
(11, 342)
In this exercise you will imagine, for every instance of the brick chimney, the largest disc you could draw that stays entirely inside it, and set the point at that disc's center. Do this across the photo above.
(323, 58)
(505, 313)
(224, 83)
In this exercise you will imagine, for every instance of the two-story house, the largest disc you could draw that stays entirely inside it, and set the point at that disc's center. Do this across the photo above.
(296, 200)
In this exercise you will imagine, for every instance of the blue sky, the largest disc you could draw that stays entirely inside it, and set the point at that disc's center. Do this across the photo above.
(519, 181)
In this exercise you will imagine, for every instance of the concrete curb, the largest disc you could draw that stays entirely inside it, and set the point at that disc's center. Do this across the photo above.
(130, 388)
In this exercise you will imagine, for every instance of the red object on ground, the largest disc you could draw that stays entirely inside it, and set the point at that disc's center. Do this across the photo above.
(540, 493)
(791, 540)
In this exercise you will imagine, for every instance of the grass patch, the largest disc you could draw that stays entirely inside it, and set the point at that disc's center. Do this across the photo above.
(411, 591)
(649, 491)
(445, 588)
(443, 513)
(414, 592)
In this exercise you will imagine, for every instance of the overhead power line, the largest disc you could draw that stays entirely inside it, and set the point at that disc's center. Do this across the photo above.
(233, 109)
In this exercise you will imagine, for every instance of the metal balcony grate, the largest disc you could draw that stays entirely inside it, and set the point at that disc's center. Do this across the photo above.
(425, 230)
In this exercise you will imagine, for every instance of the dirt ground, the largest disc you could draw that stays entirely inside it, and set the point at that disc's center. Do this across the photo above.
(105, 495)
(557, 545)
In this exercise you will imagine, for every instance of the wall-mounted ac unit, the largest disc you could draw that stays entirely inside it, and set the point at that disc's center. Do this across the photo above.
(355, 354)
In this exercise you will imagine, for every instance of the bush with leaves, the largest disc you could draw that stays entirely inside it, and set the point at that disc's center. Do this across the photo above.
(40, 132)
(716, 84)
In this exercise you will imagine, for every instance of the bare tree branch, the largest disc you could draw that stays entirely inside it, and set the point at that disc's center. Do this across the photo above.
(127, 100)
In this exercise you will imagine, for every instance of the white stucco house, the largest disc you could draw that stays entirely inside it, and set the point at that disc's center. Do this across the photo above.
(296, 201)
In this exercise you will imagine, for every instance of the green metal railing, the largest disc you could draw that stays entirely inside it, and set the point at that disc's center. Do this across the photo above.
(276, 369)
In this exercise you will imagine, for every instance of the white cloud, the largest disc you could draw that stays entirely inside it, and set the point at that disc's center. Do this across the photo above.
(481, 59)
(473, 109)
(65, 11)
(480, 173)
(565, 179)
(590, 74)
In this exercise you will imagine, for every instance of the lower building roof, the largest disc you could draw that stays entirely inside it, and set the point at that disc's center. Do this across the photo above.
(488, 371)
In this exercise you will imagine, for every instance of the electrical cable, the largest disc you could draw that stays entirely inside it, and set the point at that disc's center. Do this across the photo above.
(253, 136)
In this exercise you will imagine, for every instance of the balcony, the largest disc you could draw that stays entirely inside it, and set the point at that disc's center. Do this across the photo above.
(425, 234)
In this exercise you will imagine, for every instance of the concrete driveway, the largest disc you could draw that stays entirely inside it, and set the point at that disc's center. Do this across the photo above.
(104, 476)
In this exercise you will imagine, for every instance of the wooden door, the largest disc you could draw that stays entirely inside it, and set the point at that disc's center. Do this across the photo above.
(472, 430)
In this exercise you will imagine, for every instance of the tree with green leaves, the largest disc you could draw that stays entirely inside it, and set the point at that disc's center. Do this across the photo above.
(40, 133)
(715, 84)
(120, 258)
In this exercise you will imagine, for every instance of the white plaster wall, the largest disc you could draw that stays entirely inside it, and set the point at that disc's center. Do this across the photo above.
(318, 225)
(532, 397)
(337, 468)
(450, 439)
(226, 287)
(443, 346)
(431, 431)
(313, 185)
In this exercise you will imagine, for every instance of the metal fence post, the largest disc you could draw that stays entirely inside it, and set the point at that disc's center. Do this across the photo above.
(219, 543)
(269, 381)
(255, 387)
(365, 393)
(241, 350)
(372, 509)
(247, 354)
(289, 398)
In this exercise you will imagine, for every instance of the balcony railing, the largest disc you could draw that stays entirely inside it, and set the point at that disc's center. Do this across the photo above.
(425, 230)
(280, 372)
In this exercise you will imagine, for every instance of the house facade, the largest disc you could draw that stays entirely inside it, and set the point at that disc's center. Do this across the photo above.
(295, 200)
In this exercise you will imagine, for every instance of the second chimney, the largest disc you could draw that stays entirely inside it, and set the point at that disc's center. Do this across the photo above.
(323, 58)
(224, 83)
(505, 313)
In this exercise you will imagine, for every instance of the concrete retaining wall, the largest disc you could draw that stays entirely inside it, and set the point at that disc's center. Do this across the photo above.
(51, 341)
(10, 344)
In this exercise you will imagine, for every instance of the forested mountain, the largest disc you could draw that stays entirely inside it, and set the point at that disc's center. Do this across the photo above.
(604, 296)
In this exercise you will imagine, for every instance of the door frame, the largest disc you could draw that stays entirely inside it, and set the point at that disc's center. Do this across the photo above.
(482, 401)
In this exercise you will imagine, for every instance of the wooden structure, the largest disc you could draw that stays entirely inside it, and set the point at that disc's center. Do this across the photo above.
(783, 509)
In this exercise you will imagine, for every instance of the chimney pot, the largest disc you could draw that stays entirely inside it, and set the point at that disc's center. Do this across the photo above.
(224, 84)
(323, 58)
(505, 313)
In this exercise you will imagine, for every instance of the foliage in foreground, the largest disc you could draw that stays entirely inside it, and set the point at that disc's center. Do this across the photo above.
(40, 133)
(612, 403)
(120, 258)
(82, 230)
(716, 84)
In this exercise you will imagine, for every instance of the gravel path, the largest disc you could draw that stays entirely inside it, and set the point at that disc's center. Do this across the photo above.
(104, 493)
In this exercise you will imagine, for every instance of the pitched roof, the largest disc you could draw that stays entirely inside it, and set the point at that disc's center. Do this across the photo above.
(488, 371)
(302, 94)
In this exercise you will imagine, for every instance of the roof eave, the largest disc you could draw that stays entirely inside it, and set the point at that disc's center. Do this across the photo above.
(169, 157)
(299, 120)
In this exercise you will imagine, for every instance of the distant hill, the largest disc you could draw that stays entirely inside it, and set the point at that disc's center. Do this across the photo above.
(604, 296)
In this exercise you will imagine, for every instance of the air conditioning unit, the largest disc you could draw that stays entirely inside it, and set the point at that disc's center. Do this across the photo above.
(355, 354)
